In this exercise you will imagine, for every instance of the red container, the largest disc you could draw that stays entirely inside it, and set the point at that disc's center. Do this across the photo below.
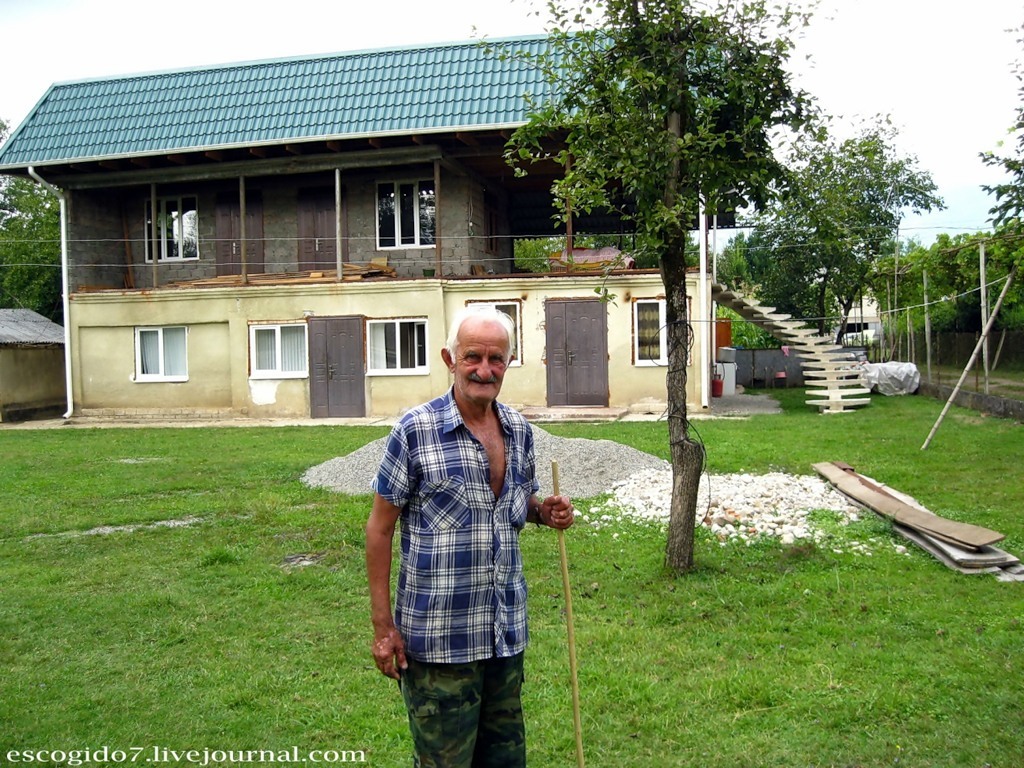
(716, 387)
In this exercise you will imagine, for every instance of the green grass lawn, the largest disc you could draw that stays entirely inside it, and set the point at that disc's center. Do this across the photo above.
(201, 637)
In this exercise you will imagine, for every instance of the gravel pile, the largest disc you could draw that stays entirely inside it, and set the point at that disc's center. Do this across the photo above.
(586, 468)
(737, 507)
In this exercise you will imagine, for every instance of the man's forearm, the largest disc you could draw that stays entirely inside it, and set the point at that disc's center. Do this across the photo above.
(378, 572)
(380, 533)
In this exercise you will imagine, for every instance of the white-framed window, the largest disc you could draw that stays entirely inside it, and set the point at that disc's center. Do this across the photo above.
(161, 354)
(278, 351)
(650, 333)
(177, 229)
(396, 346)
(514, 309)
(406, 211)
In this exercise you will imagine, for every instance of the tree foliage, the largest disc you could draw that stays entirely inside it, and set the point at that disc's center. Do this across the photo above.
(659, 107)
(840, 216)
(953, 266)
(29, 247)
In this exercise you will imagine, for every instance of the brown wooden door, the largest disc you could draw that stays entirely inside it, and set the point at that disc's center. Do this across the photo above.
(577, 352)
(337, 386)
(317, 228)
(229, 234)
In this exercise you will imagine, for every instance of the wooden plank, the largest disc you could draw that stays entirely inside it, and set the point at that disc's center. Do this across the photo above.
(983, 557)
(350, 272)
(1005, 572)
(872, 496)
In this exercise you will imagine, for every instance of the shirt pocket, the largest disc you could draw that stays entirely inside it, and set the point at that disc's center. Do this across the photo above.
(445, 504)
(521, 491)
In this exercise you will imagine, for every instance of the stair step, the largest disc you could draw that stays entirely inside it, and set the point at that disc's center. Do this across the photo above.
(828, 365)
(817, 347)
(768, 312)
(837, 394)
(831, 375)
(837, 406)
(804, 334)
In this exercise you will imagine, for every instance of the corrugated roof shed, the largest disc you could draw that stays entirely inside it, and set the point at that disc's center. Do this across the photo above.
(24, 327)
(443, 87)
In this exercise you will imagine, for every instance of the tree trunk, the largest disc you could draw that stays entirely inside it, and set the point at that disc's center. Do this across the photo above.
(822, 312)
(687, 454)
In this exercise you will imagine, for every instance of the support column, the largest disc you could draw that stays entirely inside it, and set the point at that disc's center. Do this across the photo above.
(439, 268)
(704, 313)
(153, 230)
(241, 230)
(338, 256)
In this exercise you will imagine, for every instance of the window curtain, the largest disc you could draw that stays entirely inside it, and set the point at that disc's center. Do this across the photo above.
(174, 352)
(293, 348)
(648, 330)
(149, 353)
(266, 349)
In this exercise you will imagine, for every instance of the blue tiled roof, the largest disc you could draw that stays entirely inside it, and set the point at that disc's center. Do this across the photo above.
(441, 87)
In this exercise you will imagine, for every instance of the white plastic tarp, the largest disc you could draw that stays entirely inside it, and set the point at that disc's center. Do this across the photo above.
(891, 378)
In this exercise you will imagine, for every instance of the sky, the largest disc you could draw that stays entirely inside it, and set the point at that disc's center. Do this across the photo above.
(941, 71)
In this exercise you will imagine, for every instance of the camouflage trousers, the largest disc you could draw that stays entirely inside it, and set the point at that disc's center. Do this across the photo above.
(466, 715)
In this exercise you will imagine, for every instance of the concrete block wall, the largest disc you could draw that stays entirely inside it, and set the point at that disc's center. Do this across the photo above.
(100, 220)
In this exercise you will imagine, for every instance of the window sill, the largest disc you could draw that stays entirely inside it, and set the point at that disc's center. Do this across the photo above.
(271, 375)
(650, 363)
(399, 372)
(160, 379)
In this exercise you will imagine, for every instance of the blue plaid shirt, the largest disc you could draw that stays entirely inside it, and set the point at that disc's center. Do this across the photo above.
(461, 592)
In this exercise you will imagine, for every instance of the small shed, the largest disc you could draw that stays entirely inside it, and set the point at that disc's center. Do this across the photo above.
(32, 381)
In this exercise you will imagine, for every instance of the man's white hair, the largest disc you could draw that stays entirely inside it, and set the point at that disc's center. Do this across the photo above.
(483, 312)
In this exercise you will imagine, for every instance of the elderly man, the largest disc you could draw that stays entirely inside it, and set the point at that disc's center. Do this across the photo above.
(458, 472)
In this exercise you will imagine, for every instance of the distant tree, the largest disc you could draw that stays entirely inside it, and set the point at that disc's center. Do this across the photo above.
(663, 107)
(29, 246)
(743, 260)
(839, 217)
(954, 274)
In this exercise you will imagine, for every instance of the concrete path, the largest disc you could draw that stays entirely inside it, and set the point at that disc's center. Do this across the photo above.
(730, 406)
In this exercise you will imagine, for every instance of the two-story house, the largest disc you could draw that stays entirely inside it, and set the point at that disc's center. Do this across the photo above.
(291, 237)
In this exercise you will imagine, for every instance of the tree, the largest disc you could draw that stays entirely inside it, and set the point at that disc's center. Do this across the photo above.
(953, 267)
(743, 260)
(661, 107)
(839, 217)
(29, 247)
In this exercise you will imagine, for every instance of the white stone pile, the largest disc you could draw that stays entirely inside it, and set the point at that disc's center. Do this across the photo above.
(734, 507)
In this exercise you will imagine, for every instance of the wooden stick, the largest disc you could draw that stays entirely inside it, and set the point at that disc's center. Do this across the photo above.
(974, 355)
(577, 723)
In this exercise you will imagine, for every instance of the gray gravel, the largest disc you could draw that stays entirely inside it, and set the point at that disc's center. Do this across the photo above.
(586, 468)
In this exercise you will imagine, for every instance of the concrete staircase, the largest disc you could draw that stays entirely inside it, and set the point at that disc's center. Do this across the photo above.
(833, 383)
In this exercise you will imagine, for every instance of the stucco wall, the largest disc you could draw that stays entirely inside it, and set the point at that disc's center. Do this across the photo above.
(218, 320)
(31, 381)
(105, 368)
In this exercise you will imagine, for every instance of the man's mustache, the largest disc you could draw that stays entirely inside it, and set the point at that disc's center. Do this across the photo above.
(480, 380)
